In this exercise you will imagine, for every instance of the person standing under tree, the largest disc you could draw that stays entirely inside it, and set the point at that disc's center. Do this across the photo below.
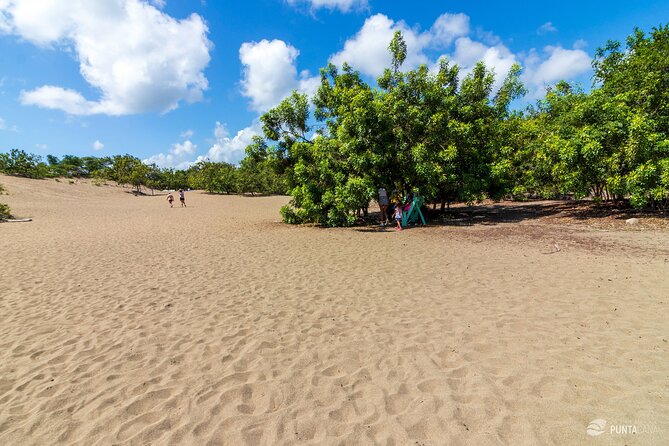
(182, 198)
(383, 205)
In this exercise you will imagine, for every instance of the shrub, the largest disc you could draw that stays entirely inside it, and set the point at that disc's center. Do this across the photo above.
(292, 216)
(5, 212)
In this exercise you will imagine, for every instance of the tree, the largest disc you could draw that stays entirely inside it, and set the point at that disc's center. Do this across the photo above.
(213, 177)
(636, 82)
(18, 162)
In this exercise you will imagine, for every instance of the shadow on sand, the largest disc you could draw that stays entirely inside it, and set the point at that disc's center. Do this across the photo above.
(494, 213)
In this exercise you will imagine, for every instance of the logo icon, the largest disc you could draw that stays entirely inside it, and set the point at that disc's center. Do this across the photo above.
(596, 427)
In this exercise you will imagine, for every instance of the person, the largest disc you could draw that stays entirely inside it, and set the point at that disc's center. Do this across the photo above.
(398, 216)
(170, 198)
(383, 205)
(182, 198)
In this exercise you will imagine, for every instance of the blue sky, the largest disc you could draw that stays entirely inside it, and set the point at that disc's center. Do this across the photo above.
(173, 81)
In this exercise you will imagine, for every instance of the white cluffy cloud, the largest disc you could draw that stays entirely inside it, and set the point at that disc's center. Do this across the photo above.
(342, 5)
(97, 145)
(447, 28)
(138, 57)
(270, 73)
(546, 28)
(556, 64)
(176, 158)
(224, 148)
(367, 51)
(231, 149)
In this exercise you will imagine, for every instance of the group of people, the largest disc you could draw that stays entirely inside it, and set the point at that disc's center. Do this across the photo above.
(182, 198)
(394, 210)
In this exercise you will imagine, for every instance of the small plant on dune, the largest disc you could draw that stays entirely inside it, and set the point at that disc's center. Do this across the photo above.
(2, 190)
(5, 212)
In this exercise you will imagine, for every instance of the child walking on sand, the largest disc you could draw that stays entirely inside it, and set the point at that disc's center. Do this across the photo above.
(398, 216)
(170, 198)
(182, 198)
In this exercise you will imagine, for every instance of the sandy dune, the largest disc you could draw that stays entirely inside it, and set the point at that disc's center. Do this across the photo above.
(123, 321)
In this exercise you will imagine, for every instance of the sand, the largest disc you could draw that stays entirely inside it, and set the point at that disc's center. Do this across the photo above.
(123, 321)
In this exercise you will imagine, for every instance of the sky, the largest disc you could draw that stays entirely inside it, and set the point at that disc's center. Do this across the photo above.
(176, 81)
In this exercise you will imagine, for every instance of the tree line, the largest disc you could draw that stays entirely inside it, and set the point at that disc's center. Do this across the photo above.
(251, 176)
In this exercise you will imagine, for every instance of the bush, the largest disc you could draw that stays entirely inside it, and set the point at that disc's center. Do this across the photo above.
(292, 216)
(5, 212)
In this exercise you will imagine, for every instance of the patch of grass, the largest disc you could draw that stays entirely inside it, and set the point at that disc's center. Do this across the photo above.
(70, 181)
(57, 180)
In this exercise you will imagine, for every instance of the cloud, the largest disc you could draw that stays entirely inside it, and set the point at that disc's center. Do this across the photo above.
(175, 158)
(225, 148)
(447, 28)
(185, 148)
(139, 58)
(97, 145)
(231, 150)
(4, 126)
(188, 134)
(367, 51)
(70, 101)
(342, 5)
(546, 28)
(580, 44)
(558, 64)
(270, 73)
(498, 58)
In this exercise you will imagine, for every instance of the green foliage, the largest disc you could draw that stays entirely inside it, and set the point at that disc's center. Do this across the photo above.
(421, 132)
(398, 49)
(127, 169)
(458, 140)
(213, 177)
(612, 143)
(5, 212)
(22, 164)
